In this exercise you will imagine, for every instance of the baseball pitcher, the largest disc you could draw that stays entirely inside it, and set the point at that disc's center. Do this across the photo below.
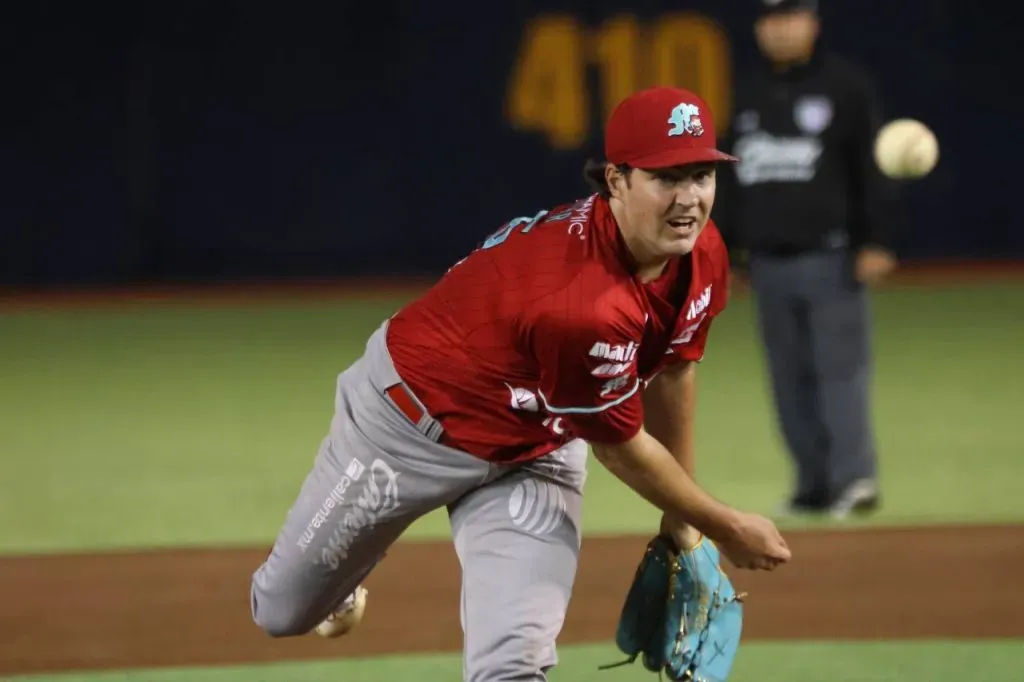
(581, 324)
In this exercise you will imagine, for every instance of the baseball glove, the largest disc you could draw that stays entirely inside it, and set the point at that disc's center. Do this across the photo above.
(681, 615)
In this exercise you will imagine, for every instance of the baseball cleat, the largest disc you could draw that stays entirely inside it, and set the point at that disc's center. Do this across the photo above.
(860, 497)
(346, 617)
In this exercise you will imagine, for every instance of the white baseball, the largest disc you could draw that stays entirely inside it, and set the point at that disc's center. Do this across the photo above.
(906, 148)
(344, 620)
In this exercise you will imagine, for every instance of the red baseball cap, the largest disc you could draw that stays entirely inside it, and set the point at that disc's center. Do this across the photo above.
(661, 127)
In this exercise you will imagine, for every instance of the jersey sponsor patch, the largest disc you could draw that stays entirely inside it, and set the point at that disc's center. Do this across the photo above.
(523, 399)
(375, 502)
(614, 352)
(579, 217)
(700, 303)
(537, 506)
(611, 369)
(616, 384)
(686, 334)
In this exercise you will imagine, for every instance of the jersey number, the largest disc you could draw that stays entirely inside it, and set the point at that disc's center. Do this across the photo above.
(505, 232)
(501, 235)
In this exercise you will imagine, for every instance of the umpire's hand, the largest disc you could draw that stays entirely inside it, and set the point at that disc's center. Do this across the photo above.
(874, 264)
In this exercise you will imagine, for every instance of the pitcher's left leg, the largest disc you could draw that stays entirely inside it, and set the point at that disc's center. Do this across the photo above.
(518, 541)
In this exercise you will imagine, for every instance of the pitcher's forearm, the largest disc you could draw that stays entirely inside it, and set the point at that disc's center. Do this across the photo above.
(669, 409)
(646, 466)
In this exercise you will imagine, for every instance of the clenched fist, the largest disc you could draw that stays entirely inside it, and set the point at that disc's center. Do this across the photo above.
(754, 543)
(874, 264)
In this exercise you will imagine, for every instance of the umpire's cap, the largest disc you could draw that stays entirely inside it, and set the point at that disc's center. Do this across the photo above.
(661, 127)
(769, 7)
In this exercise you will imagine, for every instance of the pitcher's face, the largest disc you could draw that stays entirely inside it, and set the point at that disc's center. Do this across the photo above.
(662, 212)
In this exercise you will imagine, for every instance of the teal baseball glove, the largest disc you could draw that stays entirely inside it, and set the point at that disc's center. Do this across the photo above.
(681, 615)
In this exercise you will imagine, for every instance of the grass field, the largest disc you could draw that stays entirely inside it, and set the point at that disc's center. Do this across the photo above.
(201, 422)
(169, 425)
(813, 662)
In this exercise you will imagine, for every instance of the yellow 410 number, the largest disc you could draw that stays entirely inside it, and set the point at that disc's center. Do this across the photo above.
(548, 90)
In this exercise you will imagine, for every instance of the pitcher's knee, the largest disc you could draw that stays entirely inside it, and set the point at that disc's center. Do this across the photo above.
(279, 616)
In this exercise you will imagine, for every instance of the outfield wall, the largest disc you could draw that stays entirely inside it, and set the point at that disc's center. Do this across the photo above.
(178, 140)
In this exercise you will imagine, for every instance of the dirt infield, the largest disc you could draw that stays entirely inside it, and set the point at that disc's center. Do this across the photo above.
(191, 607)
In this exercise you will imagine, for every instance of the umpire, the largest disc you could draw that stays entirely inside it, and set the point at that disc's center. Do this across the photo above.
(806, 214)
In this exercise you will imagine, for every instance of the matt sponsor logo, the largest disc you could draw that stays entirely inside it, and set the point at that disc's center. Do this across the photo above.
(334, 499)
(377, 499)
(615, 353)
(698, 304)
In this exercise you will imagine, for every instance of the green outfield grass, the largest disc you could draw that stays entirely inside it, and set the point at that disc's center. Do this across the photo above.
(172, 425)
(805, 662)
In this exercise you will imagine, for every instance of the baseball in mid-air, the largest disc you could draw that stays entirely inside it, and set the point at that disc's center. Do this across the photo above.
(906, 148)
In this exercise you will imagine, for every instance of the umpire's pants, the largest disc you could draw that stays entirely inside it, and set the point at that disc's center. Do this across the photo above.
(814, 323)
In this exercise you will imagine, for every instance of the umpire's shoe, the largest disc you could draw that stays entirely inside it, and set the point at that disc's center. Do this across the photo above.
(860, 497)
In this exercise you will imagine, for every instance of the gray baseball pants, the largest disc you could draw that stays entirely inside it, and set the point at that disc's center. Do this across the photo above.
(814, 322)
(516, 528)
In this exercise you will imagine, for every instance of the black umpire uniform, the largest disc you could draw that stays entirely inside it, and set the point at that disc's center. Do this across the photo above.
(804, 200)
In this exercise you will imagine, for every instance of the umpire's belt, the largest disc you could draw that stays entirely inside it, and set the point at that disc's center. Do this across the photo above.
(409, 405)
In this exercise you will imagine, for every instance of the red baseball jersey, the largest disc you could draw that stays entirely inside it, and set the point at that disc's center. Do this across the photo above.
(545, 333)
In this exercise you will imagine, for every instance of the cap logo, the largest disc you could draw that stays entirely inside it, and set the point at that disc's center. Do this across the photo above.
(685, 119)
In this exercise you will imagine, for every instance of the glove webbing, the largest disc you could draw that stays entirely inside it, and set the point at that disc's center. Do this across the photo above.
(716, 603)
